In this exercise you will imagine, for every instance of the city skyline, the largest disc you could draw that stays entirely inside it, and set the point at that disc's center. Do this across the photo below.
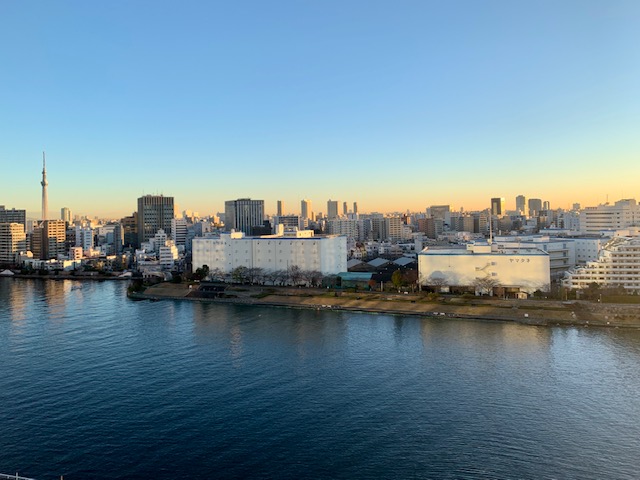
(395, 107)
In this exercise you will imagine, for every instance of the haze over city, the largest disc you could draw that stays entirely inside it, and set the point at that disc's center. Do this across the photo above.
(395, 106)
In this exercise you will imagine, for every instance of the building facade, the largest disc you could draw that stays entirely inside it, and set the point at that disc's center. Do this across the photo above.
(13, 240)
(13, 216)
(623, 214)
(617, 266)
(483, 266)
(243, 214)
(325, 254)
(155, 212)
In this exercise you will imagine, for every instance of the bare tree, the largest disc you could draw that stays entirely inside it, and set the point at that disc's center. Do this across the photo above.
(486, 284)
(217, 275)
(437, 282)
(281, 276)
(295, 274)
(240, 274)
(270, 276)
(255, 275)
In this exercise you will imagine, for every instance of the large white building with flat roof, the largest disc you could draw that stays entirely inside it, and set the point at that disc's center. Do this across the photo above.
(623, 214)
(514, 269)
(325, 254)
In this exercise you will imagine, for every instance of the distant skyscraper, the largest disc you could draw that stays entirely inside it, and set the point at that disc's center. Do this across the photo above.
(65, 214)
(546, 205)
(332, 209)
(44, 183)
(535, 205)
(344, 208)
(155, 212)
(497, 206)
(280, 208)
(355, 207)
(243, 214)
(521, 204)
(305, 208)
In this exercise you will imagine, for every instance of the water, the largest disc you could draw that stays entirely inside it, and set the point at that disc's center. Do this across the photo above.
(94, 386)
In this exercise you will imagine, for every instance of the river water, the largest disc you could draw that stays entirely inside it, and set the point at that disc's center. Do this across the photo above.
(95, 386)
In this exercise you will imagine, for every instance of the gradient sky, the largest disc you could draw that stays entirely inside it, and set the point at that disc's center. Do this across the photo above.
(396, 104)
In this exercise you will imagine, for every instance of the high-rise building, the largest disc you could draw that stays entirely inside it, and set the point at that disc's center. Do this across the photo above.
(535, 206)
(65, 215)
(84, 238)
(521, 204)
(546, 205)
(497, 206)
(12, 241)
(280, 208)
(305, 208)
(13, 216)
(332, 209)
(355, 207)
(155, 212)
(243, 214)
(179, 230)
(130, 230)
(44, 183)
(345, 210)
(54, 235)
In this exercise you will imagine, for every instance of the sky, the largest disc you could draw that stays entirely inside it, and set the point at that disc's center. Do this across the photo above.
(396, 105)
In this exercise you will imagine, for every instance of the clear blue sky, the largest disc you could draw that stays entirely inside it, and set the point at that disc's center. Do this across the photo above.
(396, 105)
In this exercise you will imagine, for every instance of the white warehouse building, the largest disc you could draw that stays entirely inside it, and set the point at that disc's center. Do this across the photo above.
(515, 270)
(325, 254)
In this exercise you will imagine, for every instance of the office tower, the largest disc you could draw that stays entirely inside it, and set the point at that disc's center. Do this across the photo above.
(13, 216)
(521, 204)
(54, 235)
(344, 208)
(280, 208)
(65, 215)
(546, 205)
(497, 206)
(155, 212)
(44, 183)
(332, 209)
(243, 214)
(355, 207)
(305, 208)
(130, 230)
(12, 241)
(535, 205)
(84, 238)
(179, 230)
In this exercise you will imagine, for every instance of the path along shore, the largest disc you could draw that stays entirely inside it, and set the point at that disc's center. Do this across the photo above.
(531, 312)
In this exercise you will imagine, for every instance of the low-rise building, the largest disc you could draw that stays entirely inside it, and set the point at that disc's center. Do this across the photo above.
(485, 268)
(326, 254)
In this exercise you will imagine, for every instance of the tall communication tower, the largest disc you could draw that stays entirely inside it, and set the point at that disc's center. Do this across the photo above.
(44, 183)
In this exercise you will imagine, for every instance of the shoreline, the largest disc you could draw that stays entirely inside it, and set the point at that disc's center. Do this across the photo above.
(66, 277)
(525, 312)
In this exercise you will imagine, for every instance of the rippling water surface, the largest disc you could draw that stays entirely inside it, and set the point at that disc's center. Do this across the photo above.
(94, 386)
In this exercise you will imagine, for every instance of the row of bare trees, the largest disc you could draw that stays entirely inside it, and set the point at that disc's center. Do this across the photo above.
(483, 285)
(293, 275)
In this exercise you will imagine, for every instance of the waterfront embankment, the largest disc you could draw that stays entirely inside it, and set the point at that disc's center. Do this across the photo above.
(532, 312)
